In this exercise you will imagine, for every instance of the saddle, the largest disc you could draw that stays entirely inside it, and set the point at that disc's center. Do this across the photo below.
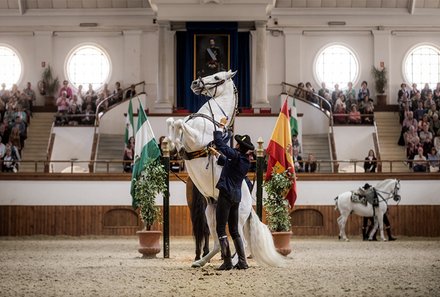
(365, 195)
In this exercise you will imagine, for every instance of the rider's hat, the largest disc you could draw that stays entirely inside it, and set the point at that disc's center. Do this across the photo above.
(245, 142)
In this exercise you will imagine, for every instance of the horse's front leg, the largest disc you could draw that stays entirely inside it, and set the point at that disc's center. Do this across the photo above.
(380, 220)
(210, 217)
(342, 220)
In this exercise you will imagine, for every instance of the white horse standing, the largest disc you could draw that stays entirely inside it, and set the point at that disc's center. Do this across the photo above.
(193, 134)
(385, 190)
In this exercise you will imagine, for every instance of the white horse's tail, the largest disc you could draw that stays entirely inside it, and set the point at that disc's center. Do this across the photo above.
(336, 203)
(261, 243)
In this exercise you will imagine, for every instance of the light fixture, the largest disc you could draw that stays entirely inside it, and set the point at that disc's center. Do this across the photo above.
(336, 23)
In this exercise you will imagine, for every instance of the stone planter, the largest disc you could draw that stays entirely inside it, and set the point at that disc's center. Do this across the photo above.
(381, 99)
(282, 242)
(149, 243)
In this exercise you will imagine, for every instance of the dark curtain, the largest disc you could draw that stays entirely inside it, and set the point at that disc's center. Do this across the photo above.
(239, 60)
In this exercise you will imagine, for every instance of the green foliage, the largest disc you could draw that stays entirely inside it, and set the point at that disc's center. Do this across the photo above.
(380, 79)
(277, 207)
(49, 83)
(150, 183)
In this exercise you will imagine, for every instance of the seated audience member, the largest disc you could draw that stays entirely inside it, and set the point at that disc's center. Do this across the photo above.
(2, 148)
(117, 94)
(433, 160)
(415, 100)
(350, 94)
(426, 138)
(295, 142)
(73, 116)
(4, 131)
(91, 93)
(408, 122)
(75, 100)
(130, 92)
(62, 104)
(434, 125)
(363, 91)
(336, 93)
(420, 111)
(14, 138)
(339, 115)
(424, 93)
(354, 117)
(67, 89)
(9, 162)
(419, 161)
(80, 94)
(88, 117)
(310, 164)
(368, 114)
(411, 136)
(370, 163)
(297, 161)
(429, 101)
(323, 90)
(300, 91)
(88, 100)
(403, 92)
(414, 90)
(432, 110)
(310, 93)
(341, 100)
(22, 129)
(436, 92)
(424, 121)
(129, 156)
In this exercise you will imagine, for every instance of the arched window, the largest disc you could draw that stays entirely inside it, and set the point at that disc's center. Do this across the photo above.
(88, 64)
(336, 64)
(10, 66)
(422, 65)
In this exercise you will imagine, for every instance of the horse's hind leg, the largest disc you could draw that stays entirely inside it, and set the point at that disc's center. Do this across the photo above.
(206, 245)
(342, 220)
(210, 217)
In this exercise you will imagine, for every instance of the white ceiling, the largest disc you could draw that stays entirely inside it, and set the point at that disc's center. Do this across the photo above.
(358, 4)
(71, 4)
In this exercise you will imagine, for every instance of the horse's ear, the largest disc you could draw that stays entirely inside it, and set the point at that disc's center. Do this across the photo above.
(231, 73)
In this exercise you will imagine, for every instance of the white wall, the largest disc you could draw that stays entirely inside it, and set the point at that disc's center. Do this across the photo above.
(353, 142)
(413, 192)
(71, 143)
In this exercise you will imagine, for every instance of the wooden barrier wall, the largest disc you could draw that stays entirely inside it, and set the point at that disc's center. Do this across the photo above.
(407, 220)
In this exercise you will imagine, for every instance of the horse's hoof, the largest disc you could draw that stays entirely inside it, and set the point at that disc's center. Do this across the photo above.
(196, 265)
(347, 240)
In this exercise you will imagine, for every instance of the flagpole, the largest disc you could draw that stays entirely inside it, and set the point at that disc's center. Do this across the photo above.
(166, 200)
(260, 169)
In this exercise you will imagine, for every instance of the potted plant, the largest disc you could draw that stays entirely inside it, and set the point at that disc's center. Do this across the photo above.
(277, 209)
(380, 80)
(150, 183)
(48, 86)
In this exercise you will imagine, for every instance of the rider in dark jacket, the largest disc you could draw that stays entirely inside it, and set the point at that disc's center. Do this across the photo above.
(235, 164)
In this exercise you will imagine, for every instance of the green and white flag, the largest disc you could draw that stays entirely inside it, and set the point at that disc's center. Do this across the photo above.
(293, 119)
(146, 149)
(129, 126)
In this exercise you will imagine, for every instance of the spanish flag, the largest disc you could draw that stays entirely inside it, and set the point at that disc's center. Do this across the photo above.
(280, 150)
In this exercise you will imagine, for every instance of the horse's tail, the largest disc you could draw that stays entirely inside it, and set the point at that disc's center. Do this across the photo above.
(198, 218)
(261, 242)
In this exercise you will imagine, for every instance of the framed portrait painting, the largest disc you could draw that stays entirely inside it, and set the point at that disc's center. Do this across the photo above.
(211, 54)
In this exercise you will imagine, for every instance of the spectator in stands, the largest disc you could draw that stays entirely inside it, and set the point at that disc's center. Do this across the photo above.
(368, 114)
(425, 91)
(403, 91)
(131, 92)
(91, 93)
(341, 100)
(4, 94)
(9, 162)
(22, 130)
(419, 163)
(9, 116)
(414, 90)
(364, 103)
(15, 92)
(89, 101)
(415, 100)
(62, 108)
(300, 91)
(310, 164)
(350, 94)
(420, 111)
(30, 97)
(411, 136)
(129, 156)
(409, 121)
(426, 138)
(297, 161)
(77, 102)
(433, 160)
(4, 131)
(335, 94)
(429, 101)
(363, 91)
(310, 93)
(422, 122)
(295, 142)
(436, 93)
(117, 94)
(340, 115)
(88, 117)
(73, 115)
(323, 90)
(101, 103)
(370, 163)
(2, 109)
(66, 88)
(354, 117)
(432, 110)
(2, 148)
(21, 114)
(14, 138)
(434, 125)
(80, 94)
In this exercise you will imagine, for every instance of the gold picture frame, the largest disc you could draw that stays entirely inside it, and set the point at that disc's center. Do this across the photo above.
(212, 53)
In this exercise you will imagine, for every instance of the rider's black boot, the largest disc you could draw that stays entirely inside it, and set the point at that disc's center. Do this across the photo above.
(239, 249)
(390, 237)
(364, 234)
(226, 253)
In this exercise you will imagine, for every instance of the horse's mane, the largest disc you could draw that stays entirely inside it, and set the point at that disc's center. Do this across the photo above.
(384, 183)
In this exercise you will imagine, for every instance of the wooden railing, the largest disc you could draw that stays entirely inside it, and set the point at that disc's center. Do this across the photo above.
(48, 153)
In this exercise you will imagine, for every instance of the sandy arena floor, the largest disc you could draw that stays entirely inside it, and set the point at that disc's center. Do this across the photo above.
(54, 266)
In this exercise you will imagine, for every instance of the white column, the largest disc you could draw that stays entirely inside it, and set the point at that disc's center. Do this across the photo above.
(163, 103)
(43, 49)
(260, 87)
(382, 53)
(132, 57)
(292, 52)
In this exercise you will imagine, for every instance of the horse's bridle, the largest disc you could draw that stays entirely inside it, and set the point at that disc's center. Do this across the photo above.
(394, 194)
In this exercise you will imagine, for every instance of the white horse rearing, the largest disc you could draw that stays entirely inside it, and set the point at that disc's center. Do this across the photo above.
(385, 190)
(193, 134)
